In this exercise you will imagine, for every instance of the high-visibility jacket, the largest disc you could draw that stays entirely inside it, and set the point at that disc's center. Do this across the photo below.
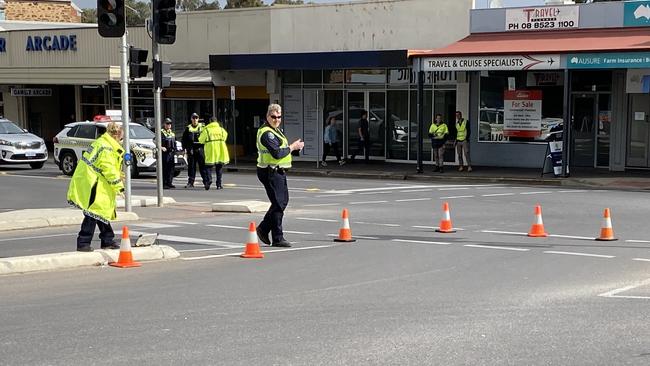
(213, 137)
(438, 132)
(264, 157)
(168, 140)
(461, 130)
(98, 179)
(191, 135)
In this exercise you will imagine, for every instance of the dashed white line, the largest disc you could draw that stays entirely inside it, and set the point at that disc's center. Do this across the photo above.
(420, 242)
(228, 227)
(503, 232)
(356, 236)
(497, 194)
(332, 195)
(265, 252)
(416, 190)
(572, 237)
(154, 225)
(572, 191)
(453, 189)
(496, 247)
(298, 232)
(376, 223)
(638, 241)
(525, 234)
(453, 197)
(615, 293)
(580, 254)
(315, 219)
(434, 227)
(184, 223)
(190, 241)
(539, 192)
(367, 202)
(37, 237)
(322, 204)
(207, 249)
(414, 199)
(641, 259)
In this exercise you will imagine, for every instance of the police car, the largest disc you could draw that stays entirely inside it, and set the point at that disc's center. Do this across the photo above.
(17, 146)
(76, 137)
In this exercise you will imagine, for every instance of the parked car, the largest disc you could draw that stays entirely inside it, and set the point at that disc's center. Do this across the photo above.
(18, 146)
(400, 128)
(76, 137)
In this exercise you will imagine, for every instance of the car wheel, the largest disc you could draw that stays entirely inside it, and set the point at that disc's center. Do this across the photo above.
(68, 163)
(134, 171)
(38, 165)
(177, 173)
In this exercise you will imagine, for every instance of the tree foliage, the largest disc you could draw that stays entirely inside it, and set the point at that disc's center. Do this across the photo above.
(288, 2)
(232, 4)
(143, 10)
(193, 5)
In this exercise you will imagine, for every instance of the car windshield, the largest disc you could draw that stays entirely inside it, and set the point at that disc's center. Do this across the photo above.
(10, 128)
(140, 132)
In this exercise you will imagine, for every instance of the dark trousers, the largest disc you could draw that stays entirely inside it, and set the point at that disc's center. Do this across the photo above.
(363, 147)
(106, 234)
(218, 171)
(275, 184)
(331, 147)
(194, 157)
(168, 168)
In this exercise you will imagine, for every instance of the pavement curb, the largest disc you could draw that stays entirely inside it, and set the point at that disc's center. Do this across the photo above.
(46, 217)
(241, 206)
(68, 260)
(145, 201)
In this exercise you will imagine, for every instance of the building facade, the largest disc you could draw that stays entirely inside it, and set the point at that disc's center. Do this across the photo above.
(41, 11)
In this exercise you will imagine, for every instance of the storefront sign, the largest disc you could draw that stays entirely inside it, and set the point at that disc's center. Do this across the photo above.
(542, 18)
(408, 76)
(492, 63)
(637, 14)
(23, 92)
(522, 113)
(623, 60)
(52, 43)
(549, 78)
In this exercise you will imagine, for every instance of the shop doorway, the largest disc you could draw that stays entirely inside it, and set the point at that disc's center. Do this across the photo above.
(374, 102)
(638, 146)
(591, 129)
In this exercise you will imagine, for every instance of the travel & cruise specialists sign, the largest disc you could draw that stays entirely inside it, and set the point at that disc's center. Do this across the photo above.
(492, 63)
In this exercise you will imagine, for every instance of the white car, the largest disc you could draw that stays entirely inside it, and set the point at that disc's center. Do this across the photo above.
(76, 137)
(17, 146)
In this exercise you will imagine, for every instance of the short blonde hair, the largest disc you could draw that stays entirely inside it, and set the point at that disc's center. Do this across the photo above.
(274, 108)
(114, 129)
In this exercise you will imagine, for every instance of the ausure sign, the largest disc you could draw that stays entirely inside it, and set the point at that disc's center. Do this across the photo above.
(622, 60)
(637, 14)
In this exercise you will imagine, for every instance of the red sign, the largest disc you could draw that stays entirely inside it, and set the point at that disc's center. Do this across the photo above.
(522, 113)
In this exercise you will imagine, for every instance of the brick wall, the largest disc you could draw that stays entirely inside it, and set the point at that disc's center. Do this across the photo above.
(43, 11)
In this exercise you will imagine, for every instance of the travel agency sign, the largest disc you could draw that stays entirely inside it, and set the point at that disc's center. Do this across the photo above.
(542, 18)
(492, 63)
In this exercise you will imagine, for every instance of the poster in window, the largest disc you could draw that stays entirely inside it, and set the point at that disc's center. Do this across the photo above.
(522, 113)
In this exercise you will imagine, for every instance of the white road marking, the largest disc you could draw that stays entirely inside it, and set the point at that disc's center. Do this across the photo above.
(153, 225)
(384, 188)
(416, 190)
(526, 234)
(641, 259)
(538, 192)
(420, 242)
(299, 180)
(452, 197)
(503, 232)
(184, 222)
(572, 237)
(369, 193)
(332, 195)
(367, 202)
(206, 249)
(434, 227)
(572, 191)
(314, 219)
(496, 247)
(580, 254)
(228, 227)
(298, 232)
(265, 252)
(615, 293)
(322, 204)
(356, 236)
(638, 241)
(414, 199)
(190, 241)
(375, 223)
(37, 237)
(455, 188)
(497, 194)
(494, 187)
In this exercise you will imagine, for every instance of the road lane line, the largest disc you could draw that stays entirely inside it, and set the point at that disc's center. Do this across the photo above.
(572, 237)
(580, 254)
(332, 195)
(641, 259)
(452, 197)
(322, 204)
(497, 194)
(434, 227)
(572, 191)
(420, 242)
(416, 190)
(454, 188)
(265, 252)
(206, 249)
(367, 202)
(615, 292)
(638, 241)
(526, 234)
(502, 232)
(298, 232)
(228, 227)
(376, 223)
(314, 219)
(184, 222)
(37, 237)
(496, 247)
(153, 225)
(356, 236)
(369, 193)
(189, 240)
(414, 199)
(539, 192)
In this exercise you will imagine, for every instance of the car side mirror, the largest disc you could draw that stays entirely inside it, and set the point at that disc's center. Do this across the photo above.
(25, 130)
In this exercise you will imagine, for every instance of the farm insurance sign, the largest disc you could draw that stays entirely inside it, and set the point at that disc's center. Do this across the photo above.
(542, 18)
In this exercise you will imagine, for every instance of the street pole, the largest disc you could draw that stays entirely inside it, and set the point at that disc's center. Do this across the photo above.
(234, 124)
(124, 81)
(420, 116)
(157, 110)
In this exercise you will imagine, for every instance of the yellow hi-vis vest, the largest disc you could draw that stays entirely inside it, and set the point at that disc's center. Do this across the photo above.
(213, 137)
(264, 157)
(461, 130)
(438, 131)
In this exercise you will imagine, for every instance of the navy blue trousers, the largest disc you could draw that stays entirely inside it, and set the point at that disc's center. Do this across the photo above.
(275, 184)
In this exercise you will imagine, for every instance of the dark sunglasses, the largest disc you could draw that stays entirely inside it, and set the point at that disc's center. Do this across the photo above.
(275, 117)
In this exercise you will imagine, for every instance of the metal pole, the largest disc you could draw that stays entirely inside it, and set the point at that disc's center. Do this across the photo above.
(566, 129)
(234, 129)
(128, 159)
(420, 116)
(157, 110)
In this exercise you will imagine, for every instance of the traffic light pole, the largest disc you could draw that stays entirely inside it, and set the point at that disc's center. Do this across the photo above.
(157, 110)
(128, 159)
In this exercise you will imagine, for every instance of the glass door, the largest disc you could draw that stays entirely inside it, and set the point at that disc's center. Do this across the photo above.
(584, 118)
(374, 105)
(639, 131)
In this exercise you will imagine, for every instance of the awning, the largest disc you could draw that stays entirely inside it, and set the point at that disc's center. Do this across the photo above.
(311, 60)
(551, 42)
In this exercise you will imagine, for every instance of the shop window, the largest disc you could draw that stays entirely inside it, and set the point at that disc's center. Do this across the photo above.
(92, 94)
(519, 106)
(333, 76)
(399, 126)
(591, 81)
(312, 77)
(291, 77)
(365, 76)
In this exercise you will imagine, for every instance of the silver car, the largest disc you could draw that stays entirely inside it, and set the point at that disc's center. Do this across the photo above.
(17, 146)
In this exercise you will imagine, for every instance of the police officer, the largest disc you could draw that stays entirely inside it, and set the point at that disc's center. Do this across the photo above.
(273, 160)
(214, 139)
(194, 150)
(168, 151)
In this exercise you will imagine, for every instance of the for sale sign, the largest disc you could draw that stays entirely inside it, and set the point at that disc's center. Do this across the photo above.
(522, 113)
(542, 18)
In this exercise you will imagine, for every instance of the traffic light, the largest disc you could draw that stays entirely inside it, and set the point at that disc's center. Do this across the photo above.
(164, 21)
(137, 57)
(161, 74)
(110, 18)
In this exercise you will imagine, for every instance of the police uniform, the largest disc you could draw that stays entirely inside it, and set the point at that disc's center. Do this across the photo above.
(213, 137)
(273, 160)
(169, 143)
(462, 143)
(438, 135)
(195, 153)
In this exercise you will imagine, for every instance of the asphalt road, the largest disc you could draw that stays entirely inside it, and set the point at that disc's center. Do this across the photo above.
(401, 295)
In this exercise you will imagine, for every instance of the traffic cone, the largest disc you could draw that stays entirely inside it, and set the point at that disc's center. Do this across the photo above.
(537, 229)
(606, 231)
(125, 260)
(345, 234)
(445, 222)
(252, 246)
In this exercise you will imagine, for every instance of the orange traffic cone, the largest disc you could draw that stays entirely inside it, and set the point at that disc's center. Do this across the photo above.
(537, 229)
(345, 234)
(606, 231)
(125, 260)
(252, 246)
(445, 222)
